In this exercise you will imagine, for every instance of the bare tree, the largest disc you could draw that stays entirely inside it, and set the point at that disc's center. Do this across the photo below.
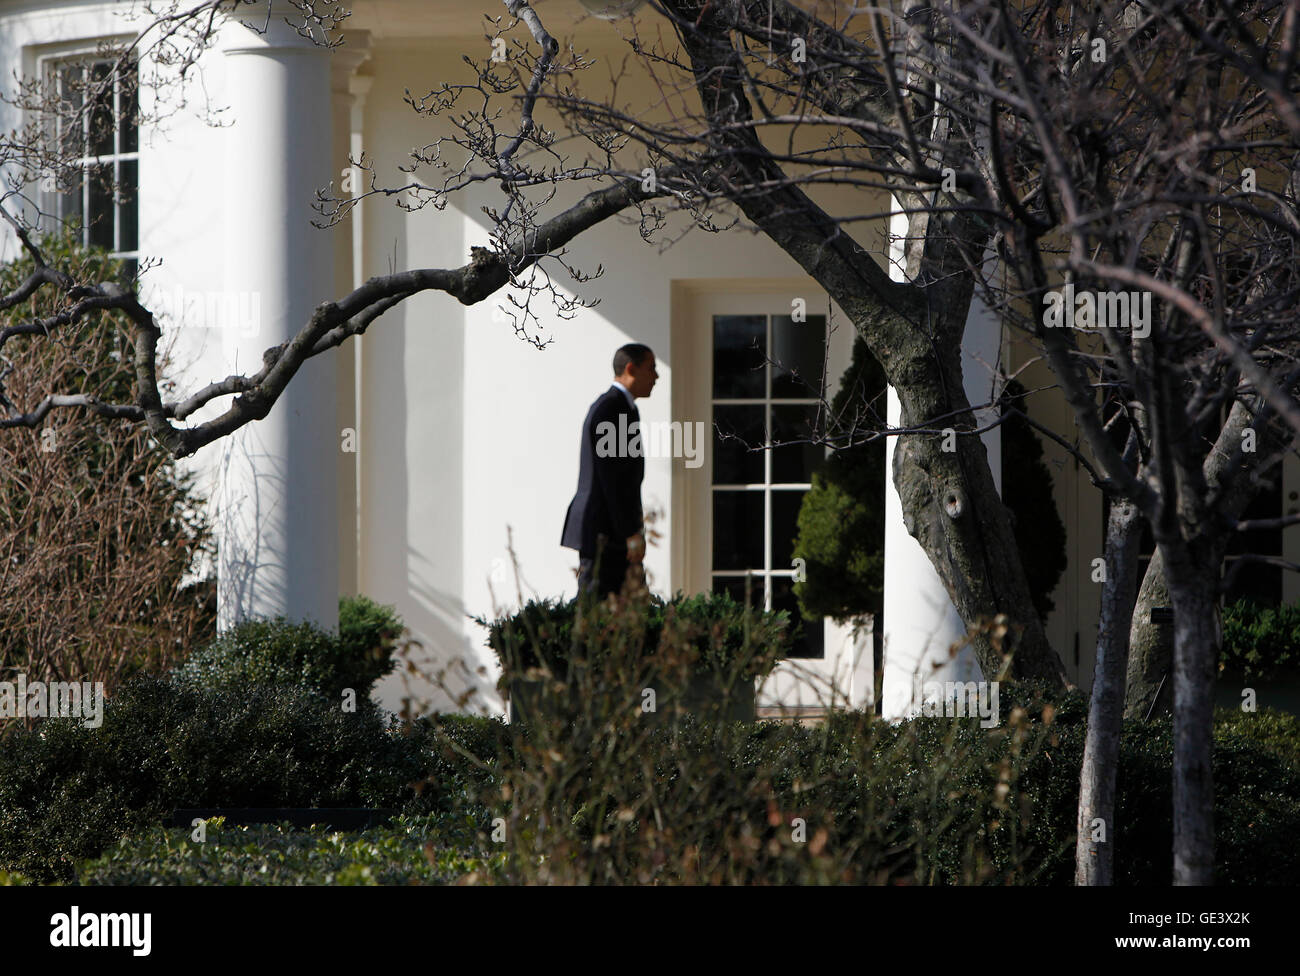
(1148, 164)
(104, 540)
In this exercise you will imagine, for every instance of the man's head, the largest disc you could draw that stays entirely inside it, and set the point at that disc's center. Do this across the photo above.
(634, 367)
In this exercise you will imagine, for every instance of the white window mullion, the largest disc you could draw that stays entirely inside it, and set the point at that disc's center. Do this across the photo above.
(117, 164)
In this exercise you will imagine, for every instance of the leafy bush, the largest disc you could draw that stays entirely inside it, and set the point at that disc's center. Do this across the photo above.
(1063, 708)
(613, 794)
(277, 651)
(716, 635)
(368, 631)
(460, 755)
(1260, 643)
(67, 792)
(610, 797)
(727, 637)
(1273, 731)
(841, 525)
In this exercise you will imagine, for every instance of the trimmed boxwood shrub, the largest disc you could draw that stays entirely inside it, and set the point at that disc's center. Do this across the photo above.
(252, 720)
(1064, 708)
(275, 651)
(726, 637)
(460, 755)
(1257, 800)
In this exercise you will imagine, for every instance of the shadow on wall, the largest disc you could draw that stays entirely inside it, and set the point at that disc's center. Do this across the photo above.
(444, 669)
(412, 501)
(250, 571)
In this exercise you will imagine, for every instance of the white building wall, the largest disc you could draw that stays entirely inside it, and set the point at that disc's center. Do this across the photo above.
(441, 499)
(413, 383)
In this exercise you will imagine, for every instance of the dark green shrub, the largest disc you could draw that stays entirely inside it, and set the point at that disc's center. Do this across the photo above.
(538, 635)
(721, 635)
(1040, 702)
(368, 632)
(930, 801)
(728, 638)
(1257, 800)
(1260, 643)
(841, 526)
(1277, 732)
(460, 756)
(277, 651)
(67, 792)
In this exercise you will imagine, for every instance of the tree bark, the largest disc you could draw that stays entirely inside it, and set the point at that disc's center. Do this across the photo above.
(1151, 642)
(952, 508)
(1149, 686)
(950, 503)
(1094, 862)
(1196, 652)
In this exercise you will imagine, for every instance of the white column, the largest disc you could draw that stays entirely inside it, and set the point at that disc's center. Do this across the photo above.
(279, 514)
(921, 624)
(348, 91)
(359, 88)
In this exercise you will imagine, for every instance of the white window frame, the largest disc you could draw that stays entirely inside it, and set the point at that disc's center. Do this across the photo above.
(49, 65)
(767, 574)
(797, 685)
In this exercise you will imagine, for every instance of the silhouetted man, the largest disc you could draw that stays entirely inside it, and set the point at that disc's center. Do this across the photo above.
(604, 520)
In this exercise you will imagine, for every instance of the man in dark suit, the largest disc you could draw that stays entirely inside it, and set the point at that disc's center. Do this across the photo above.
(604, 520)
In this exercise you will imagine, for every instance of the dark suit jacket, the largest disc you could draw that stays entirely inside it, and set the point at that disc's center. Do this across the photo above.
(609, 488)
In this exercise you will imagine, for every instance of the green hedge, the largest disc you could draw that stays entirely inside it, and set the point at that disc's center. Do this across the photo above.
(254, 719)
(275, 651)
(67, 792)
(927, 801)
(922, 808)
(723, 636)
(932, 783)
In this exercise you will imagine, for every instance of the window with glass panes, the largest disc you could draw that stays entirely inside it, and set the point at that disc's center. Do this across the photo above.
(97, 131)
(768, 376)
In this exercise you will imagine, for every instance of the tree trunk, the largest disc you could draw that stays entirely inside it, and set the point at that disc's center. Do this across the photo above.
(915, 331)
(1094, 859)
(1151, 642)
(1150, 686)
(1196, 653)
(952, 508)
